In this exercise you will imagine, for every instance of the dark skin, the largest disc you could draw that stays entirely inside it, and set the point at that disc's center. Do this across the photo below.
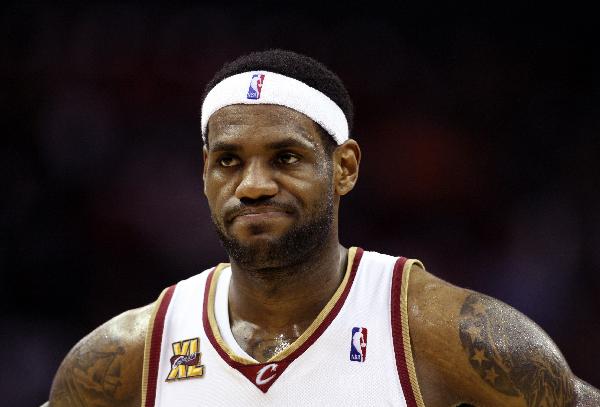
(468, 348)
(269, 313)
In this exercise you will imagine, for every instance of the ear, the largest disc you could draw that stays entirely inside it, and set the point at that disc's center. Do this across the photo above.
(346, 160)
(205, 165)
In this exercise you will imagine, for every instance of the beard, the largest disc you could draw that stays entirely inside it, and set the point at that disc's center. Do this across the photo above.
(297, 245)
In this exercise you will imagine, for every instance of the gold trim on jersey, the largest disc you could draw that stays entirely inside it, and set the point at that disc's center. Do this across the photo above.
(410, 364)
(301, 339)
(212, 320)
(147, 344)
(322, 315)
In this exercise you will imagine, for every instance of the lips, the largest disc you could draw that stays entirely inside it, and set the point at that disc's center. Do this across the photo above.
(260, 217)
(258, 213)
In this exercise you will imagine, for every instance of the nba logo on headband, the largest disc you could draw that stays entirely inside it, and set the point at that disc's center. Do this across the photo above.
(255, 86)
(281, 90)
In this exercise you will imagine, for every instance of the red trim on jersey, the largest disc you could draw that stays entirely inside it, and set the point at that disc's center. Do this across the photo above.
(398, 335)
(269, 372)
(155, 346)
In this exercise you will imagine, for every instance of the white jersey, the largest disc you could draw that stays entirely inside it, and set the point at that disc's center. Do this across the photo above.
(356, 352)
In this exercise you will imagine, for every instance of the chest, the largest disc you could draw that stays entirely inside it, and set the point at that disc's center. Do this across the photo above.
(345, 357)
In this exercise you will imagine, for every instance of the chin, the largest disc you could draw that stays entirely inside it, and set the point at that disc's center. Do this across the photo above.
(261, 251)
(275, 244)
(259, 238)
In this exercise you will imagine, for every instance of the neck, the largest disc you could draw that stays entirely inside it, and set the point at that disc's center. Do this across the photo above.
(283, 302)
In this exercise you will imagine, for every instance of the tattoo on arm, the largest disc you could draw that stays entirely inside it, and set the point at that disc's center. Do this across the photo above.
(91, 379)
(510, 356)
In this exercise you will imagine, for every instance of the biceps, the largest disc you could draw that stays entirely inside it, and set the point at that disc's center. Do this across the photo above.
(88, 377)
(64, 392)
(512, 355)
(587, 395)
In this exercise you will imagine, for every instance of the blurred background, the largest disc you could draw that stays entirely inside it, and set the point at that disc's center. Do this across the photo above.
(479, 130)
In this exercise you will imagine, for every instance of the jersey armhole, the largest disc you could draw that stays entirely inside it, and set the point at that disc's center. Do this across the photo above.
(401, 334)
(152, 347)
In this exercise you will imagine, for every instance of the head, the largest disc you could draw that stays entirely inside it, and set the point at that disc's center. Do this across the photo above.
(273, 175)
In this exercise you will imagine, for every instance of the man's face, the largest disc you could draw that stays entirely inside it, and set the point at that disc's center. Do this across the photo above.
(268, 183)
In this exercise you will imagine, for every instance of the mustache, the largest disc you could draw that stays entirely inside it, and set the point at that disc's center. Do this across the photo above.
(244, 206)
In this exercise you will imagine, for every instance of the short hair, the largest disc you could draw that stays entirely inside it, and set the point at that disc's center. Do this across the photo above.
(297, 66)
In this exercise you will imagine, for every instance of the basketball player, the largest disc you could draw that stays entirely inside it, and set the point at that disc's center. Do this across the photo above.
(295, 318)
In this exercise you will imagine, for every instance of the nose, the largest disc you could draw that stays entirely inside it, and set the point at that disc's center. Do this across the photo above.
(257, 182)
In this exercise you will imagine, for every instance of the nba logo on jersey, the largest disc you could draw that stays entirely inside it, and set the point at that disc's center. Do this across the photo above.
(255, 86)
(358, 344)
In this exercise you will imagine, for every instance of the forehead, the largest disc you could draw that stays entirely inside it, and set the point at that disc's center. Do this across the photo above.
(261, 122)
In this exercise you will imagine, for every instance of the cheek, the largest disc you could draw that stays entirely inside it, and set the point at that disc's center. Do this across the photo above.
(309, 192)
(215, 188)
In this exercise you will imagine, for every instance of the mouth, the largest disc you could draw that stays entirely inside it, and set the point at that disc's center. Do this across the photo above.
(260, 213)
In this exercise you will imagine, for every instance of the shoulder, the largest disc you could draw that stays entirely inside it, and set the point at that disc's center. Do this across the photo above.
(469, 347)
(105, 367)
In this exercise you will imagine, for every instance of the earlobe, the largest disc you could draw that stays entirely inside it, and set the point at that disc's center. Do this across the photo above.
(347, 162)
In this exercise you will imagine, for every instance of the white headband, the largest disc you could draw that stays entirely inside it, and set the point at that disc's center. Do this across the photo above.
(263, 87)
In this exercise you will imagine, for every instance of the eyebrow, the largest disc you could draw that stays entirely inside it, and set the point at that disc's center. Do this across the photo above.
(223, 146)
(291, 142)
(275, 145)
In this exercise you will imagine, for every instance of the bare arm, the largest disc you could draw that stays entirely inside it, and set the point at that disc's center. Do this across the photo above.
(586, 395)
(470, 348)
(105, 368)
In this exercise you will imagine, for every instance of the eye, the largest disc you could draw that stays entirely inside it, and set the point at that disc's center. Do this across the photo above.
(287, 158)
(228, 161)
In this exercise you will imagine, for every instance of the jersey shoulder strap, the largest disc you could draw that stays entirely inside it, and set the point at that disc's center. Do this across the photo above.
(401, 333)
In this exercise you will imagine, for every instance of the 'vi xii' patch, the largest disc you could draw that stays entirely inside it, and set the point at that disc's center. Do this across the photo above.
(185, 362)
